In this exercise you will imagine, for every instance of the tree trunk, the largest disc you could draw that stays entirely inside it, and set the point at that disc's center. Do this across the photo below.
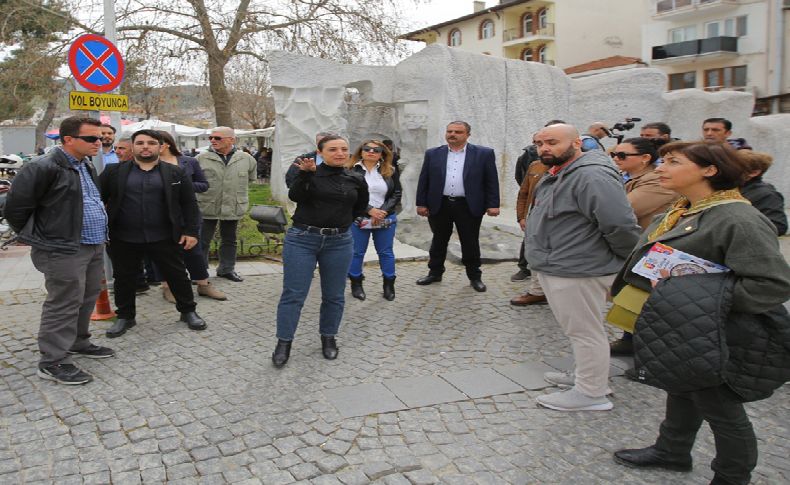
(223, 110)
(45, 121)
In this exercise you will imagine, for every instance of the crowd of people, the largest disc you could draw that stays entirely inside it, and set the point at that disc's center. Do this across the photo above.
(589, 215)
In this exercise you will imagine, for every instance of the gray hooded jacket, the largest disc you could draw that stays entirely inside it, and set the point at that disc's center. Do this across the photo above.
(581, 224)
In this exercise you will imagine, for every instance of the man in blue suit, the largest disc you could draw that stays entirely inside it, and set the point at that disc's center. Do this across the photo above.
(458, 184)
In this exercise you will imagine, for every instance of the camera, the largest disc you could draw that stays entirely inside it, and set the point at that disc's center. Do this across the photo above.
(622, 126)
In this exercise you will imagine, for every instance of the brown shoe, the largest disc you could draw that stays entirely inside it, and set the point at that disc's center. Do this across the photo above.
(527, 299)
(212, 292)
(168, 295)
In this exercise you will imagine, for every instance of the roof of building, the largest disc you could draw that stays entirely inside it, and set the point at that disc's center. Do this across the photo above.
(605, 63)
(485, 11)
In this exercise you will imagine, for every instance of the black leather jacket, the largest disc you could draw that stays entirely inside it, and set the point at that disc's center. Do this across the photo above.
(44, 205)
(394, 190)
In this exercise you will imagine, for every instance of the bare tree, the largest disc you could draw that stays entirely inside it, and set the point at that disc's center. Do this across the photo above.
(252, 100)
(347, 30)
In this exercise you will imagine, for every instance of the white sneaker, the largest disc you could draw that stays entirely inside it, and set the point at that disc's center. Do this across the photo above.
(563, 380)
(573, 400)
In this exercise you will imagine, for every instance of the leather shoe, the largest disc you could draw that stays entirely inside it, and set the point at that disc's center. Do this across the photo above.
(120, 327)
(427, 280)
(651, 457)
(281, 353)
(478, 285)
(329, 347)
(527, 299)
(233, 276)
(193, 321)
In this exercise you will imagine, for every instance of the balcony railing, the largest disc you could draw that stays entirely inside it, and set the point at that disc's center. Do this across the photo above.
(695, 47)
(516, 34)
(666, 6)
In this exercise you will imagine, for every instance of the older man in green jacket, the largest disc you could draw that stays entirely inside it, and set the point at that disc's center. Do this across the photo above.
(229, 172)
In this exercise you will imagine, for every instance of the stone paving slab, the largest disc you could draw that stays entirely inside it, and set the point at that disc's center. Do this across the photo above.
(364, 399)
(617, 366)
(477, 383)
(417, 392)
(529, 375)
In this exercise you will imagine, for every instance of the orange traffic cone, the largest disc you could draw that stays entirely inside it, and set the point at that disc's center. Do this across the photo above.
(103, 309)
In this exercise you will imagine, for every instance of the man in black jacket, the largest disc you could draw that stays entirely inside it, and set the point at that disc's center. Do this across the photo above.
(152, 210)
(54, 206)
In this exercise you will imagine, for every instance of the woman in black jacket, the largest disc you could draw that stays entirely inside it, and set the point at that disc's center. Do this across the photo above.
(328, 199)
(713, 221)
(373, 160)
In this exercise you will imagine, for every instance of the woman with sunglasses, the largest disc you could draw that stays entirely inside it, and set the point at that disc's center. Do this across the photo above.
(194, 260)
(636, 158)
(328, 199)
(713, 221)
(373, 160)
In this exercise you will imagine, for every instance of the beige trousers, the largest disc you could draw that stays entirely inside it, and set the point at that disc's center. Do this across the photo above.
(578, 305)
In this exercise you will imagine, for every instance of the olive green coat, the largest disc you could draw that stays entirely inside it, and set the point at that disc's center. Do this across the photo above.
(227, 196)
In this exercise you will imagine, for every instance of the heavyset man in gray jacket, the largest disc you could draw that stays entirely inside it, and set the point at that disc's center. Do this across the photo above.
(579, 231)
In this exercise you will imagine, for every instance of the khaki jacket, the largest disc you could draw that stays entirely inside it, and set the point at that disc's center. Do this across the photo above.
(647, 197)
(526, 193)
(227, 197)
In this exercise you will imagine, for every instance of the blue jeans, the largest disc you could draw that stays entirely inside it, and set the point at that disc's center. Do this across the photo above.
(383, 240)
(301, 251)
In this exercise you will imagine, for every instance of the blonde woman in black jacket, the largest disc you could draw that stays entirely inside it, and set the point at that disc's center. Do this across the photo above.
(373, 160)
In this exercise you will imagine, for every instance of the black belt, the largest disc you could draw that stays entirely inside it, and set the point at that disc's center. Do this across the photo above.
(453, 198)
(324, 231)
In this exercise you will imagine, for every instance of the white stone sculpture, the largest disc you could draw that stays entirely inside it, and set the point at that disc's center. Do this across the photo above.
(504, 100)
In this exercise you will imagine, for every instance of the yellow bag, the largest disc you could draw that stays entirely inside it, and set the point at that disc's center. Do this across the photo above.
(626, 308)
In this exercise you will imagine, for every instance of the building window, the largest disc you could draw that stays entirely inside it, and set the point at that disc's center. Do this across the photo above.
(683, 80)
(543, 19)
(725, 78)
(526, 24)
(542, 54)
(487, 29)
(682, 34)
(526, 54)
(731, 27)
(454, 38)
(712, 29)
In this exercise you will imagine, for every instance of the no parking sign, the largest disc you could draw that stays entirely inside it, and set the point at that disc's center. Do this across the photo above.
(96, 63)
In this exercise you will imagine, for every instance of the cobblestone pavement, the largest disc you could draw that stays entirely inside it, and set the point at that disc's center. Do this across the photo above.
(208, 407)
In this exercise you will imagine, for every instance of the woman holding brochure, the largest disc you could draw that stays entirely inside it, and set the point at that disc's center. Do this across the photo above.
(373, 160)
(712, 221)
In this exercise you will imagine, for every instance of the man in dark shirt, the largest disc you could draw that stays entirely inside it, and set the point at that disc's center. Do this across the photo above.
(152, 210)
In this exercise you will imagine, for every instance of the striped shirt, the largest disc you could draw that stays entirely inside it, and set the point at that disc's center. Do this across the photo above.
(94, 217)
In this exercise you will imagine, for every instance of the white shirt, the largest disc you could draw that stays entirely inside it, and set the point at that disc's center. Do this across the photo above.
(454, 178)
(377, 186)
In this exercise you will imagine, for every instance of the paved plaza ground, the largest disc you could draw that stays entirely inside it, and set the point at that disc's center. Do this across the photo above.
(178, 406)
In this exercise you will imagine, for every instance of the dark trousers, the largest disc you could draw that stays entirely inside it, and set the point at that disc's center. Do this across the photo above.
(195, 262)
(522, 259)
(168, 257)
(468, 227)
(227, 245)
(73, 282)
(736, 444)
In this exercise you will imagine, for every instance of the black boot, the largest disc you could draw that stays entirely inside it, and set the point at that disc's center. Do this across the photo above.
(356, 287)
(329, 347)
(281, 353)
(389, 288)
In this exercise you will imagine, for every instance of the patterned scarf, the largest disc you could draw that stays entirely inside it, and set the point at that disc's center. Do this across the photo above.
(684, 208)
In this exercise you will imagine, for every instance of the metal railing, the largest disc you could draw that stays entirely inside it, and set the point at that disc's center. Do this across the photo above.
(515, 34)
(664, 6)
(695, 47)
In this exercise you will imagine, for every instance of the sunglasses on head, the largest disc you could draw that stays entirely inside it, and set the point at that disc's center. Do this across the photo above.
(88, 138)
(623, 155)
(373, 149)
(218, 138)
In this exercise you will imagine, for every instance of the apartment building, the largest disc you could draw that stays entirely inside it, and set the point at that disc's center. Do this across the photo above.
(722, 45)
(564, 33)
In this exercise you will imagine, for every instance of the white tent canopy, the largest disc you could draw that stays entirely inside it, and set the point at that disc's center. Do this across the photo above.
(174, 128)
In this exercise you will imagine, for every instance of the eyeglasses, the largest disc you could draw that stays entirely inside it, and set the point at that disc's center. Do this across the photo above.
(218, 138)
(88, 138)
(373, 149)
(623, 155)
